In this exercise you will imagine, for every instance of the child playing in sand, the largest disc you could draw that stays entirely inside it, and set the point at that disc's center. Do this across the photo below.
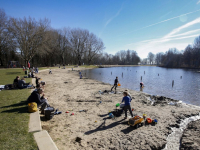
(50, 72)
(129, 95)
(126, 99)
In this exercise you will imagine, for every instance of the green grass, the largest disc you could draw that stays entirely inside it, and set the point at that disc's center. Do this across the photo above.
(14, 117)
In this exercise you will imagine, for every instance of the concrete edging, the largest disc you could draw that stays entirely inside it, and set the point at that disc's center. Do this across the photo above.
(44, 141)
(42, 137)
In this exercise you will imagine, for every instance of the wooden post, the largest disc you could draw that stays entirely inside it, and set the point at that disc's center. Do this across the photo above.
(141, 78)
(172, 83)
(111, 72)
(158, 74)
(144, 72)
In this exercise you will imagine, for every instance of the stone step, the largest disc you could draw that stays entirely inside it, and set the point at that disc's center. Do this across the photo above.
(44, 141)
(34, 122)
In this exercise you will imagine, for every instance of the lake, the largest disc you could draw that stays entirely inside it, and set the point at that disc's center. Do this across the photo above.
(157, 81)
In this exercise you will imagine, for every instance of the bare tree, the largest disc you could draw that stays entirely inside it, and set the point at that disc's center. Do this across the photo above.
(7, 45)
(29, 35)
(94, 46)
(77, 42)
(151, 57)
(158, 58)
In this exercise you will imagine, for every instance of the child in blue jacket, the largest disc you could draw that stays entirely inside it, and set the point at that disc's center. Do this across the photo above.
(126, 99)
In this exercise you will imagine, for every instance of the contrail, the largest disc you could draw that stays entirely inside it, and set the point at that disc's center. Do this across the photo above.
(164, 21)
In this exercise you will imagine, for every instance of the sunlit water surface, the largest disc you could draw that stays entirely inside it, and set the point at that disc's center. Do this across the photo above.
(157, 81)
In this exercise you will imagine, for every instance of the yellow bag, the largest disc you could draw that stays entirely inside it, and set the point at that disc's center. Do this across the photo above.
(119, 84)
(32, 107)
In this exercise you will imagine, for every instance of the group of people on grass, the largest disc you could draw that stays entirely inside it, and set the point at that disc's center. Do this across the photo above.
(35, 96)
(21, 83)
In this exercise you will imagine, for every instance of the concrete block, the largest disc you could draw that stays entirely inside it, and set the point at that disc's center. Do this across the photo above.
(34, 122)
(44, 141)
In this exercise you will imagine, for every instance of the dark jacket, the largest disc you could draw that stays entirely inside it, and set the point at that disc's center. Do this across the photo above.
(35, 97)
(116, 81)
(36, 81)
(21, 83)
(15, 81)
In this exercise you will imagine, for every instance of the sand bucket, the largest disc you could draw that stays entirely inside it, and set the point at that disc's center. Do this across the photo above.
(118, 104)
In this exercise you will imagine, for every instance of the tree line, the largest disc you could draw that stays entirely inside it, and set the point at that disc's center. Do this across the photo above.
(187, 58)
(35, 41)
(123, 57)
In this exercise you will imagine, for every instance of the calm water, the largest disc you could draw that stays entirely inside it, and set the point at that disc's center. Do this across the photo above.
(186, 89)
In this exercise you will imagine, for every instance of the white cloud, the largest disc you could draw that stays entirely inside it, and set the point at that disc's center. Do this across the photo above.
(163, 21)
(166, 42)
(198, 2)
(183, 27)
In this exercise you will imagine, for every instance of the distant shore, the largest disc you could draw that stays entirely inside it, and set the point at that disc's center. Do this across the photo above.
(93, 129)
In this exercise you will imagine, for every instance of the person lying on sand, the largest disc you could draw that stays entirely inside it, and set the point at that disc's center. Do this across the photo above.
(41, 101)
(126, 99)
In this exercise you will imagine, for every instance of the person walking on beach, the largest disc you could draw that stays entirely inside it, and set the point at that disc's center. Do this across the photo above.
(126, 99)
(115, 84)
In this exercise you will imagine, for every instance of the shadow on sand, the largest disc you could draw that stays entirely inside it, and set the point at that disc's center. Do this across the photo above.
(102, 127)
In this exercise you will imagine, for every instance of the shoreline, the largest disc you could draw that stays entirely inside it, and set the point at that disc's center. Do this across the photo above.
(76, 94)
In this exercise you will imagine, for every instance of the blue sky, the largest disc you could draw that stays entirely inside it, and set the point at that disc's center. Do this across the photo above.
(141, 25)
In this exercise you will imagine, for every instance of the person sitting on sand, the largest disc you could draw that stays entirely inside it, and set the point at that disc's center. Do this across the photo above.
(15, 82)
(115, 84)
(37, 80)
(29, 74)
(126, 99)
(38, 86)
(41, 101)
(81, 76)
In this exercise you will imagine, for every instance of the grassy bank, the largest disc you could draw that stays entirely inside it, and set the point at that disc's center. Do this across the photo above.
(14, 117)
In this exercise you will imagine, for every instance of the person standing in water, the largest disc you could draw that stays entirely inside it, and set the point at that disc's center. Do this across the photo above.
(141, 84)
(115, 84)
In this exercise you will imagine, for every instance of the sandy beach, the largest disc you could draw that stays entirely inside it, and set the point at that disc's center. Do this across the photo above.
(190, 138)
(92, 128)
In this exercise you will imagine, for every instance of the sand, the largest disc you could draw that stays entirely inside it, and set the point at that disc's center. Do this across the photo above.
(93, 129)
(190, 138)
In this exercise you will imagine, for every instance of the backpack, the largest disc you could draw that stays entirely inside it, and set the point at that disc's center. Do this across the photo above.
(49, 113)
(32, 107)
(117, 112)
